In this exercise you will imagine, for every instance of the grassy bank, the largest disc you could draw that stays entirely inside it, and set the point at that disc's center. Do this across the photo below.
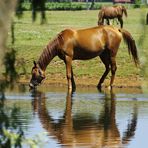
(30, 39)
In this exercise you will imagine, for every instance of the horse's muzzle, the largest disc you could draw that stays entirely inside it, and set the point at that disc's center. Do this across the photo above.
(31, 86)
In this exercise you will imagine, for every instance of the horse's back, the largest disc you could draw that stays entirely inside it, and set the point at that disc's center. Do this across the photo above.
(89, 36)
(98, 38)
(110, 12)
(100, 30)
(91, 39)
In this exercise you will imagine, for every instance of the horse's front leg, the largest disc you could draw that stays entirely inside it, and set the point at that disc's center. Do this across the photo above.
(73, 81)
(69, 73)
(108, 23)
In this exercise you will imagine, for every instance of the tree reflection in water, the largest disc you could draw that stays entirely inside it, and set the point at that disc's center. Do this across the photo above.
(11, 132)
(9, 122)
(80, 130)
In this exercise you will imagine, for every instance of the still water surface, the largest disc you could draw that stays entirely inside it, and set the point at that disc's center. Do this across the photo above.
(85, 119)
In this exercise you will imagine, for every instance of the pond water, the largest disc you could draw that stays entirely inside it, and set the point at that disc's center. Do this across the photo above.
(86, 118)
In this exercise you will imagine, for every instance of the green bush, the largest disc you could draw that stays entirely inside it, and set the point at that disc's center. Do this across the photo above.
(26, 6)
(137, 4)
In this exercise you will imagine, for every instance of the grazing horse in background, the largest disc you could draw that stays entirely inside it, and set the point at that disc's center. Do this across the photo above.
(84, 44)
(111, 13)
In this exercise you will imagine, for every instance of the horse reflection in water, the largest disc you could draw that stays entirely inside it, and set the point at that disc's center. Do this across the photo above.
(73, 132)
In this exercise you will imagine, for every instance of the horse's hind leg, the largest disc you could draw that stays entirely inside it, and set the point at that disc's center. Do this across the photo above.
(121, 21)
(106, 60)
(113, 70)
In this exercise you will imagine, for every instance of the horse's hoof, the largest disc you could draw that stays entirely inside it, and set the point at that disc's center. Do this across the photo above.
(99, 87)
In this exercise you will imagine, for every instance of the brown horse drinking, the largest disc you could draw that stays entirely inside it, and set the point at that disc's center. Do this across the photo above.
(111, 13)
(84, 44)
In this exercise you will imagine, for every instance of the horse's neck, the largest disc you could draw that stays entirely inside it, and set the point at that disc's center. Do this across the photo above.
(47, 55)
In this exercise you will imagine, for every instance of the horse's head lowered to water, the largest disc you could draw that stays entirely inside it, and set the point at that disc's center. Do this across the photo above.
(37, 76)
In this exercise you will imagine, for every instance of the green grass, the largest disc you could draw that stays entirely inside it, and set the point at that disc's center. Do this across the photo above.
(32, 37)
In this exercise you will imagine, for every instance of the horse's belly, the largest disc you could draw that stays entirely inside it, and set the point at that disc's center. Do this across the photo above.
(110, 17)
(81, 54)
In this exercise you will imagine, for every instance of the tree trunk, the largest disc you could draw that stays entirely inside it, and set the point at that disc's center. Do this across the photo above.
(147, 19)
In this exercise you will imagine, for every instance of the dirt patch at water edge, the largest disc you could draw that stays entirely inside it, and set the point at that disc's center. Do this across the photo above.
(90, 81)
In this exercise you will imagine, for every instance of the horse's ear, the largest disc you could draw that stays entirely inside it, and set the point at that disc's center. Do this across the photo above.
(34, 62)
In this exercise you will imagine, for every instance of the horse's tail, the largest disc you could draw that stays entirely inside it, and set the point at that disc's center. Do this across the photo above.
(100, 17)
(132, 49)
(124, 11)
